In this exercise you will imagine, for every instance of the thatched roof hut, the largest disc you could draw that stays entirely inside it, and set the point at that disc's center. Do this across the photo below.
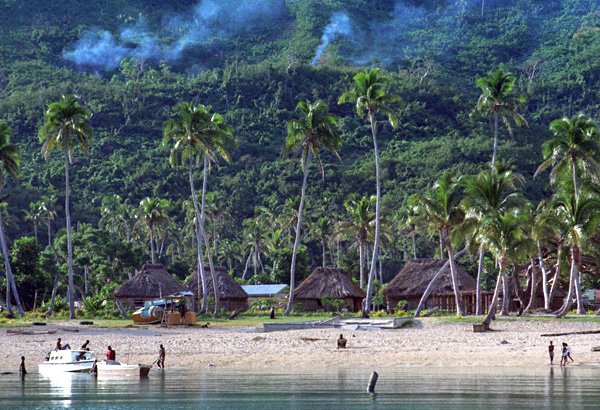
(332, 282)
(231, 295)
(151, 282)
(410, 283)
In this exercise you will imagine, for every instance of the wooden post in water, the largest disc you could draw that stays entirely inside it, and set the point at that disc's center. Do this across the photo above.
(372, 382)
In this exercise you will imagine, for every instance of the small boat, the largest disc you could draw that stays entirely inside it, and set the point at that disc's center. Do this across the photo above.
(71, 361)
(111, 368)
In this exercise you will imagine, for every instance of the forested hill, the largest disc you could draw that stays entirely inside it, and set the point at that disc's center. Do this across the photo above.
(253, 61)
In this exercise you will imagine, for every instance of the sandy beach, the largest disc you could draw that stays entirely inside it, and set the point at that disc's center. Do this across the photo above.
(432, 342)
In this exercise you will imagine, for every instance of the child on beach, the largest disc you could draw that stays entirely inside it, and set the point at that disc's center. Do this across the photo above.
(551, 352)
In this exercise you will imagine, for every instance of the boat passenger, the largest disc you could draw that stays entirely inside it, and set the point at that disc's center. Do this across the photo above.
(59, 345)
(111, 354)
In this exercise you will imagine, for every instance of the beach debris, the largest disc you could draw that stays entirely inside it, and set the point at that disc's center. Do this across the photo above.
(582, 332)
(69, 329)
(504, 342)
(258, 338)
(372, 382)
(596, 349)
(431, 311)
(30, 332)
(310, 339)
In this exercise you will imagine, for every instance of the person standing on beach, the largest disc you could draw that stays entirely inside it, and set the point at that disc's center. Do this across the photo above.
(341, 342)
(568, 353)
(22, 370)
(551, 352)
(161, 357)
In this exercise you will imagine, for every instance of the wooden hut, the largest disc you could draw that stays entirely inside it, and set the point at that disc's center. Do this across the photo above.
(410, 283)
(332, 282)
(151, 282)
(231, 295)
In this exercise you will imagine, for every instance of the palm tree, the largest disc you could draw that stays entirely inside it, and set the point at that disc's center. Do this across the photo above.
(360, 226)
(504, 236)
(305, 136)
(441, 212)
(110, 210)
(575, 148)
(48, 205)
(322, 230)
(66, 127)
(576, 218)
(10, 161)
(487, 194)
(498, 100)
(230, 254)
(254, 244)
(35, 215)
(216, 212)
(368, 94)
(201, 136)
(151, 212)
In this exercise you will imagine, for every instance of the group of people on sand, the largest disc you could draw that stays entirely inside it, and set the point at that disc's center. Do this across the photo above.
(565, 354)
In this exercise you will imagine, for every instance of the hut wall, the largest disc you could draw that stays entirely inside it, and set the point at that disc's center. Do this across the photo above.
(231, 305)
(310, 305)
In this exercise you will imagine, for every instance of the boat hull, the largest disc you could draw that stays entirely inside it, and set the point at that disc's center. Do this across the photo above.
(109, 369)
(67, 361)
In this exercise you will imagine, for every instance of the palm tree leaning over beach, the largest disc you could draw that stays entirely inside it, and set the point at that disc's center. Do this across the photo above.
(65, 127)
(368, 94)
(10, 160)
(305, 136)
(440, 212)
(200, 136)
(487, 194)
(576, 218)
(504, 236)
(498, 100)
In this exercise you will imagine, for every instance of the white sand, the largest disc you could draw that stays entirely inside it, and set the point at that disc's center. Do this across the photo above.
(432, 343)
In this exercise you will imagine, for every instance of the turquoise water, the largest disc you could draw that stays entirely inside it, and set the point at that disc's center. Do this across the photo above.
(573, 387)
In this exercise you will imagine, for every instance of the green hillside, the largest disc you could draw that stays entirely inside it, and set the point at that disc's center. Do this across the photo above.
(132, 61)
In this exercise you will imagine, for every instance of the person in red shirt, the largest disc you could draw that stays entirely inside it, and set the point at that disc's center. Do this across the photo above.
(111, 354)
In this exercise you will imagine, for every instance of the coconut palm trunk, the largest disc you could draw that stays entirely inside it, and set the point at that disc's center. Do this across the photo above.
(459, 306)
(478, 304)
(205, 238)
(572, 278)
(70, 239)
(367, 303)
(533, 282)
(201, 274)
(297, 240)
(544, 278)
(10, 280)
(492, 310)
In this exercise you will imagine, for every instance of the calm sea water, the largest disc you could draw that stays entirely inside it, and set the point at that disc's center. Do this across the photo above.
(575, 387)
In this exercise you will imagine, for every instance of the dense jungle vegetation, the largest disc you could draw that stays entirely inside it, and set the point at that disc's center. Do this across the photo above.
(130, 62)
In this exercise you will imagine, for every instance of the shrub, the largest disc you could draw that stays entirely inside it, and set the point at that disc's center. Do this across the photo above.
(299, 307)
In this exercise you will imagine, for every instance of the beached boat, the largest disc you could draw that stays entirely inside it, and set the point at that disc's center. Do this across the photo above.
(61, 361)
(111, 368)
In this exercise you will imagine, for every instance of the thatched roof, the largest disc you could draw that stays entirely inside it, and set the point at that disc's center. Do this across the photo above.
(332, 282)
(228, 288)
(151, 282)
(416, 275)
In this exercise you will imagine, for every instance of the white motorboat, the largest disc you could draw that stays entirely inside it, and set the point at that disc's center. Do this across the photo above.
(60, 361)
(111, 368)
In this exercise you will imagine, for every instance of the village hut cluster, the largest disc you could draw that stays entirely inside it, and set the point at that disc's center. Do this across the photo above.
(406, 288)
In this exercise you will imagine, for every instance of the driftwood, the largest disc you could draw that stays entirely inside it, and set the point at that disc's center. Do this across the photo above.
(29, 332)
(431, 311)
(583, 332)
(234, 314)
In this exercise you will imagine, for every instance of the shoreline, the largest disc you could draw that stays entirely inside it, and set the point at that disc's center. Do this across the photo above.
(433, 342)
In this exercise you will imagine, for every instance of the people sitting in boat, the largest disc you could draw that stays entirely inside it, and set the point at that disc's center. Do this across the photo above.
(111, 354)
(341, 342)
(85, 348)
(22, 370)
(94, 369)
(59, 345)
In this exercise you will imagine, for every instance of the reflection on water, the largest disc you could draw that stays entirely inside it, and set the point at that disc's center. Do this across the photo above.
(573, 387)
